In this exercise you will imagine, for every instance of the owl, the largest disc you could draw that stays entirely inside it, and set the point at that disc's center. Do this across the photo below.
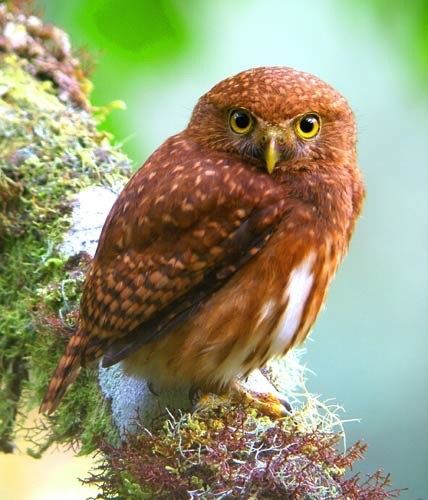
(218, 253)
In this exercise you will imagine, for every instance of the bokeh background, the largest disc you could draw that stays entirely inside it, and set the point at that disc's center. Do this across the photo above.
(369, 349)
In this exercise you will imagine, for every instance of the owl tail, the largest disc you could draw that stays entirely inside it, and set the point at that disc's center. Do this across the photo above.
(66, 372)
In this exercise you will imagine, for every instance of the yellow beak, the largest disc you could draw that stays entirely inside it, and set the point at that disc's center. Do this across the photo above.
(272, 155)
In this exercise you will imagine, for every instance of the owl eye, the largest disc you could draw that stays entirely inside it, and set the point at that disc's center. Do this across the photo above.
(308, 126)
(240, 121)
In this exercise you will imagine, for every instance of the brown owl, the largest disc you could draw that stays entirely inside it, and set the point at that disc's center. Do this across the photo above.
(218, 253)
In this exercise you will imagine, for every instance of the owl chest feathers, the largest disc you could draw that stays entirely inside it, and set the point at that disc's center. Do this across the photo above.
(293, 295)
(292, 305)
(270, 303)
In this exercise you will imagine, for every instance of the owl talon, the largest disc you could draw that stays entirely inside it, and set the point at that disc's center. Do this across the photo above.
(152, 389)
(286, 404)
(195, 395)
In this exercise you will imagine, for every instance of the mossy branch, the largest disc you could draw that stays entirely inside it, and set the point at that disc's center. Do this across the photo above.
(50, 151)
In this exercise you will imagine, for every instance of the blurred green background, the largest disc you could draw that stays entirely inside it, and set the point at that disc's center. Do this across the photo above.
(369, 348)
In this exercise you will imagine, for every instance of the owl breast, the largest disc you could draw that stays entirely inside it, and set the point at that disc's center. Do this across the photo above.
(259, 315)
(293, 304)
(287, 314)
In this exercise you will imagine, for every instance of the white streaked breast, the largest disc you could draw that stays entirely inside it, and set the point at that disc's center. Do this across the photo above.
(297, 291)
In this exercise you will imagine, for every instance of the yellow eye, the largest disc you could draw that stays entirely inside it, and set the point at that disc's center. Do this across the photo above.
(240, 121)
(308, 126)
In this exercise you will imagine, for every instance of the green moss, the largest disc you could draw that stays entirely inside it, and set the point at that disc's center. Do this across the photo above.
(48, 152)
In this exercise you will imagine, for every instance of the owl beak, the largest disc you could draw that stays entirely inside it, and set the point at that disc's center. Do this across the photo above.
(272, 154)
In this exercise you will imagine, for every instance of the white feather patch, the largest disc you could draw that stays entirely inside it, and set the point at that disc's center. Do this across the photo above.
(298, 289)
(265, 312)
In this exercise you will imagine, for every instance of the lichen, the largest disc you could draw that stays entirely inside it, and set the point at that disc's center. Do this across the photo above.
(229, 451)
(50, 150)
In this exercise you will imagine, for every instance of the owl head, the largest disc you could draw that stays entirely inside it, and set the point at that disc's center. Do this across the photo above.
(276, 118)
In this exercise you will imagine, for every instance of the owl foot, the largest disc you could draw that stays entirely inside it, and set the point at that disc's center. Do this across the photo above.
(267, 404)
(271, 404)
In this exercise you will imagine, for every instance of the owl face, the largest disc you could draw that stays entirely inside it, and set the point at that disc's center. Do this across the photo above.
(275, 117)
(252, 137)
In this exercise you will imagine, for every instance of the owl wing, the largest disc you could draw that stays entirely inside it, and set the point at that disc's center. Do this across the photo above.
(173, 238)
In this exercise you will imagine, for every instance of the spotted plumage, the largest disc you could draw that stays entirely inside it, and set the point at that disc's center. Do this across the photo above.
(218, 253)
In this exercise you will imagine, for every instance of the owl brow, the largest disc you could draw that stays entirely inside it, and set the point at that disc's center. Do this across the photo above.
(227, 110)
